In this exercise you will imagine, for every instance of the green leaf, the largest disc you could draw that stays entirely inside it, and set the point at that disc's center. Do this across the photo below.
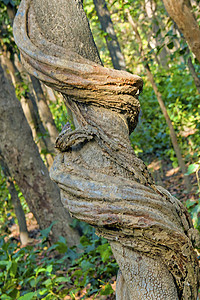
(27, 296)
(192, 168)
(190, 203)
(3, 263)
(42, 291)
(84, 241)
(62, 279)
(49, 269)
(6, 297)
(45, 232)
(104, 251)
(47, 282)
(86, 265)
(13, 269)
(107, 290)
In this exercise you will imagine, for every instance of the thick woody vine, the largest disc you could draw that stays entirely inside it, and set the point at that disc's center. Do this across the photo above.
(115, 194)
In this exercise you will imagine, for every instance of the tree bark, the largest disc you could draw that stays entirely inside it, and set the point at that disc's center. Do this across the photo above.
(30, 110)
(163, 108)
(102, 181)
(103, 13)
(191, 67)
(181, 12)
(19, 212)
(22, 156)
(44, 110)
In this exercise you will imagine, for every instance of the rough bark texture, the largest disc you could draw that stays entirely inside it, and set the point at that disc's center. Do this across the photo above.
(102, 181)
(22, 156)
(103, 13)
(181, 12)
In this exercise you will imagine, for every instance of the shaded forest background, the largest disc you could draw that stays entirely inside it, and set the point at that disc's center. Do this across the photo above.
(46, 257)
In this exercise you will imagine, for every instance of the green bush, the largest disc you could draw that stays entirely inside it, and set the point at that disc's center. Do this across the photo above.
(52, 272)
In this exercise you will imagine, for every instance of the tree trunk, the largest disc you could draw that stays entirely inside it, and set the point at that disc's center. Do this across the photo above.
(37, 115)
(150, 8)
(163, 108)
(22, 156)
(189, 62)
(194, 74)
(23, 231)
(102, 181)
(44, 110)
(181, 12)
(30, 109)
(116, 55)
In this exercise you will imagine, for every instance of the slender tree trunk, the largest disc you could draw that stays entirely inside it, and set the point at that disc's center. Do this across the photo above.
(162, 106)
(24, 162)
(19, 212)
(181, 12)
(50, 94)
(30, 109)
(36, 120)
(44, 142)
(194, 74)
(111, 38)
(44, 110)
(189, 62)
(151, 7)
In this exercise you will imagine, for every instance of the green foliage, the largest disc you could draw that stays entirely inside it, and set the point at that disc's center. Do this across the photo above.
(59, 112)
(98, 33)
(52, 272)
(182, 102)
(21, 90)
(7, 214)
(193, 205)
(11, 2)
(6, 209)
(6, 33)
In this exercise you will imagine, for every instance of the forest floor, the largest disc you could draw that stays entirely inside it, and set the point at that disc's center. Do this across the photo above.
(172, 180)
(164, 174)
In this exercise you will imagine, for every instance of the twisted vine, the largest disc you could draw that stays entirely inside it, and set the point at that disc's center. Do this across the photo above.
(112, 191)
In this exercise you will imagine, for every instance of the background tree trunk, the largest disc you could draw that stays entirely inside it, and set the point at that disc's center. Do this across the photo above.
(181, 13)
(26, 166)
(194, 73)
(151, 8)
(116, 55)
(23, 231)
(44, 110)
(30, 109)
